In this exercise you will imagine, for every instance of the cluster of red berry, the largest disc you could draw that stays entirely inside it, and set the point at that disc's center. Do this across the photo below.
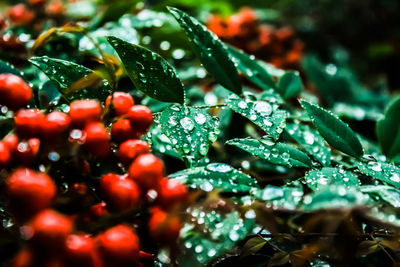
(244, 30)
(51, 237)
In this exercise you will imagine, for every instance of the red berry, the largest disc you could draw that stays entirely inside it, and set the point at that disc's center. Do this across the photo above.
(27, 150)
(171, 192)
(140, 118)
(80, 251)
(97, 139)
(14, 92)
(122, 102)
(84, 111)
(19, 14)
(5, 155)
(122, 130)
(28, 122)
(50, 230)
(119, 192)
(55, 124)
(130, 149)
(164, 227)
(99, 210)
(30, 191)
(119, 246)
(147, 170)
(24, 258)
(11, 141)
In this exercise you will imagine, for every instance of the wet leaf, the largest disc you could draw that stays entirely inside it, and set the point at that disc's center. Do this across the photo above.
(285, 197)
(388, 130)
(317, 179)
(250, 67)
(211, 51)
(216, 176)
(65, 73)
(190, 130)
(276, 153)
(265, 114)
(311, 141)
(219, 233)
(253, 245)
(388, 193)
(337, 133)
(149, 72)
(159, 142)
(385, 172)
(334, 197)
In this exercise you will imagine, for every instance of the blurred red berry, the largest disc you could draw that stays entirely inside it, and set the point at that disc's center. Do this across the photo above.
(119, 246)
(140, 118)
(119, 192)
(24, 258)
(164, 227)
(80, 251)
(171, 192)
(99, 210)
(130, 149)
(14, 92)
(55, 8)
(55, 124)
(26, 151)
(147, 171)
(28, 122)
(122, 130)
(49, 230)
(20, 15)
(29, 192)
(97, 139)
(83, 112)
(5, 155)
(122, 102)
(11, 141)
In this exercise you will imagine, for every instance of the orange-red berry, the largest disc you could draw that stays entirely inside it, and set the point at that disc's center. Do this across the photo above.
(84, 111)
(29, 192)
(119, 192)
(121, 101)
(5, 155)
(147, 171)
(28, 122)
(49, 230)
(55, 124)
(97, 139)
(122, 130)
(119, 246)
(14, 92)
(80, 251)
(130, 149)
(19, 14)
(164, 227)
(171, 192)
(140, 118)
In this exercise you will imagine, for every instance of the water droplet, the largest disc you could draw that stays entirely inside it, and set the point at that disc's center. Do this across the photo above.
(198, 249)
(219, 167)
(187, 123)
(262, 107)
(200, 118)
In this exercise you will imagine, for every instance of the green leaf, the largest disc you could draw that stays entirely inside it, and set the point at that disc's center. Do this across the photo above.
(216, 176)
(250, 67)
(311, 141)
(279, 153)
(190, 130)
(337, 133)
(264, 114)
(388, 130)
(317, 179)
(218, 233)
(290, 84)
(210, 50)
(334, 197)
(159, 142)
(388, 193)
(385, 172)
(284, 197)
(253, 245)
(65, 73)
(149, 72)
